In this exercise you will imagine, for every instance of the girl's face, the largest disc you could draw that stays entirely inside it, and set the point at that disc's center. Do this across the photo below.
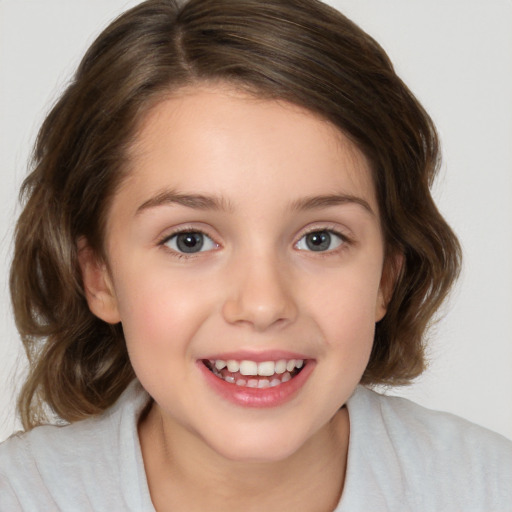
(246, 257)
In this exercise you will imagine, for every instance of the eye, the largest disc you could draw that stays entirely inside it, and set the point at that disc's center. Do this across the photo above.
(320, 241)
(190, 242)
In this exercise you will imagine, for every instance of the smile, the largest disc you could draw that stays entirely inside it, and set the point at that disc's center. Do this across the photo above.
(252, 374)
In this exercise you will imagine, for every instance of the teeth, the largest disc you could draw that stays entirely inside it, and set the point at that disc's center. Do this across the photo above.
(248, 368)
(280, 366)
(267, 368)
(280, 371)
(264, 369)
(233, 366)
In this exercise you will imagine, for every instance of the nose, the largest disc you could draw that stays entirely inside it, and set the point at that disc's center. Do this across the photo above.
(260, 294)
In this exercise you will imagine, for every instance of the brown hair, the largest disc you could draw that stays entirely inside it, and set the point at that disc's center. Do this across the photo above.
(301, 51)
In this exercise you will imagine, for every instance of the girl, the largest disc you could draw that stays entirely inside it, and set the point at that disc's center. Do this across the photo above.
(227, 233)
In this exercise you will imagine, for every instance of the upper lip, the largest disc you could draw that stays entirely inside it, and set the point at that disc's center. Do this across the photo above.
(259, 357)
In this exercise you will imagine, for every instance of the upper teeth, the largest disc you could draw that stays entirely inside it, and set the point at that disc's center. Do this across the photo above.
(265, 368)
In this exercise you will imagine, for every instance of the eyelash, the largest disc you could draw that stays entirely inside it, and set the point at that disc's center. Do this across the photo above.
(345, 241)
(167, 238)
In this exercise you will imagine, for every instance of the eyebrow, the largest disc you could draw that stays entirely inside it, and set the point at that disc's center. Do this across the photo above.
(202, 202)
(195, 201)
(325, 201)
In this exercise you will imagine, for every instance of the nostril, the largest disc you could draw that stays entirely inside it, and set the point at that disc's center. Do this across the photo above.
(259, 314)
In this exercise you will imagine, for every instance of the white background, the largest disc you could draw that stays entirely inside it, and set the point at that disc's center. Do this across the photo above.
(456, 55)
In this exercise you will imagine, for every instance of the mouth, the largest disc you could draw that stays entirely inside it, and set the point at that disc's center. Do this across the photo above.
(252, 374)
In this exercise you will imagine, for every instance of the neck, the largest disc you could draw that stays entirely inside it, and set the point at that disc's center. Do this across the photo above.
(189, 475)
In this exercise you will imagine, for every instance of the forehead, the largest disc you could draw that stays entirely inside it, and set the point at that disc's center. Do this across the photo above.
(219, 139)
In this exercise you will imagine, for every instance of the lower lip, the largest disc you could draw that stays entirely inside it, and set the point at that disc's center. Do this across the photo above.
(258, 397)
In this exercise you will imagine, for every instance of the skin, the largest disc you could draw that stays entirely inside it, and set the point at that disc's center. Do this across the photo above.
(256, 287)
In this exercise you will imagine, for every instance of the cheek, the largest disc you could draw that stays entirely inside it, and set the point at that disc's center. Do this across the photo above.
(160, 318)
(161, 312)
(344, 312)
(346, 304)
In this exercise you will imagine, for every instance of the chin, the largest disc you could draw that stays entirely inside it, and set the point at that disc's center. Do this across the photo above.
(255, 445)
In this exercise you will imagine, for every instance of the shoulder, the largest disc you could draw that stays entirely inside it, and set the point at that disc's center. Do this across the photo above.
(402, 416)
(77, 463)
(432, 431)
(433, 459)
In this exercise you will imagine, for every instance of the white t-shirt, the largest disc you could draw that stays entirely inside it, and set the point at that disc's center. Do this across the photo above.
(402, 457)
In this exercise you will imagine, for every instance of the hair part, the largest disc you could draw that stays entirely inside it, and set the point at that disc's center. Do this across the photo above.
(300, 51)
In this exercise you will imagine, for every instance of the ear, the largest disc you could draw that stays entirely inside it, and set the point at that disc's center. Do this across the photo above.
(97, 283)
(391, 270)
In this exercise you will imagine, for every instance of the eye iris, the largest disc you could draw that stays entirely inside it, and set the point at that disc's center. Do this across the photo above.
(189, 242)
(318, 241)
